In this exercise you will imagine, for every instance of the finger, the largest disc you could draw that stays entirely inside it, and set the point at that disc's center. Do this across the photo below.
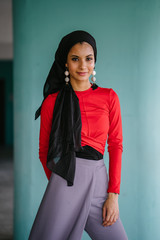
(107, 224)
(104, 213)
(112, 220)
(112, 217)
(115, 218)
(109, 214)
(116, 215)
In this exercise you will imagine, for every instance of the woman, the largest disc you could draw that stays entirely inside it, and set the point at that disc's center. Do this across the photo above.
(77, 117)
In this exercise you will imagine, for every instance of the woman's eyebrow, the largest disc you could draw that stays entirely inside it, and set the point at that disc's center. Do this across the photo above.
(78, 56)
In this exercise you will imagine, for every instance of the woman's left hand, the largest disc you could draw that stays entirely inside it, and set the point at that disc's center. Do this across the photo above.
(110, 210)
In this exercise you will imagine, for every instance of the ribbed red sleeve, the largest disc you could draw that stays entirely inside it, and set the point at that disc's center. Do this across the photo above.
(45, 129)
(114, 141)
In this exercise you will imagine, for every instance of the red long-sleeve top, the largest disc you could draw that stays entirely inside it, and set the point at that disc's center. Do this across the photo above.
(101, 122)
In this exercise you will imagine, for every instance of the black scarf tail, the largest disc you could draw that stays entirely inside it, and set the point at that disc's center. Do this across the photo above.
(65, 137)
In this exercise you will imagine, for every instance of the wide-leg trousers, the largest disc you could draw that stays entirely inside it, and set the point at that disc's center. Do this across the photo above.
(65, 211)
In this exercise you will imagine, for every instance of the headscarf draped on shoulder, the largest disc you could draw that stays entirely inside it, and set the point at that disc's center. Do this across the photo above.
(65, 135)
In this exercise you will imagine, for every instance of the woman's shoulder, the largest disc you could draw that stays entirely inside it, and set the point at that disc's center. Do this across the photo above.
(49, 101)
(111, 97)
(108, 92)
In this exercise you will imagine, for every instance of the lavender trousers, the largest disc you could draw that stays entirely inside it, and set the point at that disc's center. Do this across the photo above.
(65, 211)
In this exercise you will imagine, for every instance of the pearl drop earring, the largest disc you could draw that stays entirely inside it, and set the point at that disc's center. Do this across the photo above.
(66, 78)
(93, 78)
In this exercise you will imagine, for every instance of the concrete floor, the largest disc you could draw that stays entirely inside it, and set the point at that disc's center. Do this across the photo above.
(6, 193)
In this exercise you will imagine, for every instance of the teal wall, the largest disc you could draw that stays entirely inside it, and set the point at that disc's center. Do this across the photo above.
(128, 36)
(6, 73)
(148, 109)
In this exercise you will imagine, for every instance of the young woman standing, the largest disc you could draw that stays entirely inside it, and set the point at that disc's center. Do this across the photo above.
(77, 118)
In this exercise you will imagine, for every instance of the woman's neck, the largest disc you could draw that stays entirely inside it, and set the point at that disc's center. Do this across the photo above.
(80, 85)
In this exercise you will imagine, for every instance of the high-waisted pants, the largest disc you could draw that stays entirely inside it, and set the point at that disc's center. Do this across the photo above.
(65, 211)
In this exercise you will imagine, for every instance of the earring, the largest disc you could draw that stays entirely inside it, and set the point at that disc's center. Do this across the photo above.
(66, 74)
(93, 78)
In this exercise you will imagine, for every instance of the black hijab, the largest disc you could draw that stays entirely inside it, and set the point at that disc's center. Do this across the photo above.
(65, 136)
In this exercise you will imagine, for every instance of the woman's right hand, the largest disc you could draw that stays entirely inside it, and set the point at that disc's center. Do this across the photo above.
(110, 210)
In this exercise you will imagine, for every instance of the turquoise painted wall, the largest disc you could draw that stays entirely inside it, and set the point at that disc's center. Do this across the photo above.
(6, 73)
(148, 109)
(127, 35)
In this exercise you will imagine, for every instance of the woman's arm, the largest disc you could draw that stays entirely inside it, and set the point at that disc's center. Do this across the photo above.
(45, 129)
(115, 148)
(114, 141)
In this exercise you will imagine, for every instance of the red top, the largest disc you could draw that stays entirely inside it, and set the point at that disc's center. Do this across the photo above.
(101, 122)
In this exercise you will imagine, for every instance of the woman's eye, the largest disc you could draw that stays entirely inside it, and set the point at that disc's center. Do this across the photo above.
(89, 59)
(75, 59)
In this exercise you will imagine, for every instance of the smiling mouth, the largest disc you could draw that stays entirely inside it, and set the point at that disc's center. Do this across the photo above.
(82, 73)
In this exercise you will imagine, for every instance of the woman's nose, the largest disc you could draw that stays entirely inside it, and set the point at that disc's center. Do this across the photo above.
(82, 64)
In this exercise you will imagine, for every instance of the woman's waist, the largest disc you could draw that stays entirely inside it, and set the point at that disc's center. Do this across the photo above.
(96, 143)
(90, 153)
(90, 162)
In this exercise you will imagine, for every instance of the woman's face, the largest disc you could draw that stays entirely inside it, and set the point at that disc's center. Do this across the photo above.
(80, 62)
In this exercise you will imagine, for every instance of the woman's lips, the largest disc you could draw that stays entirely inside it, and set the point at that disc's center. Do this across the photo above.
(82, 73)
